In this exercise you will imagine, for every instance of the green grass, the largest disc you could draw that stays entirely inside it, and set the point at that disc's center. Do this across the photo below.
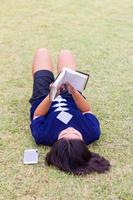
(100, 33)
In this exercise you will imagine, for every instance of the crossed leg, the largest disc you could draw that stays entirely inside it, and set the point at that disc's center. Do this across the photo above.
(41, 61)
(65, 59)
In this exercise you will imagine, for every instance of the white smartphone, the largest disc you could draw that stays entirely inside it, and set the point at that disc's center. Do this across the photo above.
(30, 156)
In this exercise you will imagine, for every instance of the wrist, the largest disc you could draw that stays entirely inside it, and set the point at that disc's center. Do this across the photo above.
(49, 99)
(75, 93)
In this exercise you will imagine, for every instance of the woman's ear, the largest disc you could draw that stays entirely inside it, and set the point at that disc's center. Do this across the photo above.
(98, 163)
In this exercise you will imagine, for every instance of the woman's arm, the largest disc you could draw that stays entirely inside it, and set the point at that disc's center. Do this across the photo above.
(80, 101)
(43, 107)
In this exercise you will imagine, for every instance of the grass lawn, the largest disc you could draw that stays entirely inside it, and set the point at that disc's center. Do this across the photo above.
(100, 33)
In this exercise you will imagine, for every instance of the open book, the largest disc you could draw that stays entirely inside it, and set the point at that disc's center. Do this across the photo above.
(77, 79)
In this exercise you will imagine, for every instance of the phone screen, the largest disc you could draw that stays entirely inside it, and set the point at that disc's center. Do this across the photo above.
(30, 156)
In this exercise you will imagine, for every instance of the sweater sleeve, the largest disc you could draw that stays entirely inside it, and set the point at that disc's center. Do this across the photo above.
(38, 129)
(93, 126)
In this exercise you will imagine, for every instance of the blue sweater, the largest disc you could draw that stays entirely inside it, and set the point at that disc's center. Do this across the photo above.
(62, 114)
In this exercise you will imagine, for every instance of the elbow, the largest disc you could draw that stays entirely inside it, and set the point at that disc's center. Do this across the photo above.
(97, 137)
(97, 134)
(37, 140)
(37, 136)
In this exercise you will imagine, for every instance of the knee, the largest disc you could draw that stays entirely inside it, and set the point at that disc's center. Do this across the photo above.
(41, 51)
(65, 52)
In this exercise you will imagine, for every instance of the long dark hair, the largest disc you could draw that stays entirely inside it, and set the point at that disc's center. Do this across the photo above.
(72, 155)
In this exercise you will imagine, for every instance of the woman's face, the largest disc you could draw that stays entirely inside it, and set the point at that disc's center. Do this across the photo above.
(70, 133)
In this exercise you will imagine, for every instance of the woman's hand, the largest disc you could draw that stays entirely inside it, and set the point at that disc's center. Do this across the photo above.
(80, 101)
(64, 87)
(68, 87)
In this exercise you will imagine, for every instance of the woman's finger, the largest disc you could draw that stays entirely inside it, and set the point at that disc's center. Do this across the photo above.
(62, 86)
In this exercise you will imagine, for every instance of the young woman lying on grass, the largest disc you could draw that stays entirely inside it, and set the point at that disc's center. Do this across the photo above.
(69, 139)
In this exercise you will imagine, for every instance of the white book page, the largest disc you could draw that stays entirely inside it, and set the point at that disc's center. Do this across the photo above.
(77, 81)
(55, 85)
(59, 79)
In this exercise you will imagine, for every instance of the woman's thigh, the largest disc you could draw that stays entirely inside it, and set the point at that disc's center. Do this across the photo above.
(42, 74)
(66, 59)
(41, 60)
